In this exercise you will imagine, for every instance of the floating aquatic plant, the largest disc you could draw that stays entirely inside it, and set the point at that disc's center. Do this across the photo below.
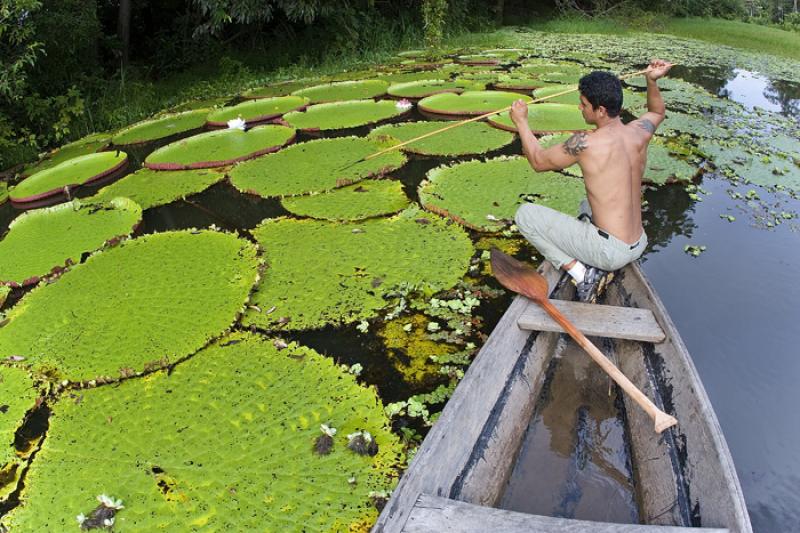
(485, 195)
(663, 167)
(19, 394)
(160, 127)
(517, 81)
(44, 241)
(341, 115)
(278, 89)
(332, 273)
(735, 161)
(471, 138)
(230, 429)
(68, 175)
(219, 148)
(365, 199)
(571, 98)
(314, 166)
(423, 88)
(144, 303)
(544, 118)
(344, 90)
(410, 348)
(469, 102)
(255, 111)
(87, 145)
(150, 188)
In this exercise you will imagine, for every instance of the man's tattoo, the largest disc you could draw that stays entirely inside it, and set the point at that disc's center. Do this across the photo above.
(646, 125)
(575, 144)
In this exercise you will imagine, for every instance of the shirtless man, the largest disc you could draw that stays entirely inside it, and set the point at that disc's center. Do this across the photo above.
(608, 233)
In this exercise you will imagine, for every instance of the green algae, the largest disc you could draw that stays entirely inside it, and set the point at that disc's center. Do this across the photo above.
(145, 303)
(410, 348)
(255, 111)
(231, 429)
(544, 118)
(343, 90)
(365, 199)
(471, 138)
(45, 241)
(423, 88)
(151, 188)
(469, 102)
(484, 195)
(314, 166)
(219, 148)
(342, 115)
(67, 175)
(332, 273)
(160, 127)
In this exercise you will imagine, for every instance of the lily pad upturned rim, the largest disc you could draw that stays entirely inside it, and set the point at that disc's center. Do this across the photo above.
(380, 88)
(55, 192)
(220, 163)
(396, 87)
(119, 138)
(259, 119)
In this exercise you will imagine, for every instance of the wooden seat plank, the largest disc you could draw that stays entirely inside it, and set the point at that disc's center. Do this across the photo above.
(596, 320)
(433, 513)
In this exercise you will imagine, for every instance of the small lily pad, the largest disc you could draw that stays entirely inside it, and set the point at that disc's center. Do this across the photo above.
(485, 195)
(69, 174)
(150, 188)
(469, 102)
(471, 138)
(219, 148)
(160, 127)
(663, 167)
(365, 199)
(338, 273)
(314, 166)
(544, 118)
(255, 111)
(343, 90)
(423, 88)
(341, 115)
(45, 241)
(735, 161)
(231, 429)
(142, 304)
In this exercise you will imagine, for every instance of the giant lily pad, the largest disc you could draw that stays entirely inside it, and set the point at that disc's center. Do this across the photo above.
(344, 90)
(416, 75)
(87, 145)
(18, 397)
(469, 102)
(481, 195)
(150, 188)
(479, 59)
(314, 166)
(423, 88)
(219, 148)
(69, 174)
(572, 97)
(223, 443)
(47, 240)
(536, 67)
(517, 82)
(471, 138)
(544, 118)
(366, 199)
(255, 111)
(146, 302)
(341, 115)
(278, 89)
(161, 127)
(332, 273)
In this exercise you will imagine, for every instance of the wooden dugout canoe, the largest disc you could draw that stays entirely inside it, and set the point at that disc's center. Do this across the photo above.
(683, 477)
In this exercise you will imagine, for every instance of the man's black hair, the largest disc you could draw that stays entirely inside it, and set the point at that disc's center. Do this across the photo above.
(602, 89)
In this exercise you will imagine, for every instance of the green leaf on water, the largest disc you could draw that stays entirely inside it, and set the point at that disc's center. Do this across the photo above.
(544, 118)
(19, 394)
(365, 199)
(343, 90)
(254, 111)
(342, 115)
(469, 102)
(471, 138)
(160, 127)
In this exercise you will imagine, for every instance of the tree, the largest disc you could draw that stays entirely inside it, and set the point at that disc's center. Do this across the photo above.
(18, 49)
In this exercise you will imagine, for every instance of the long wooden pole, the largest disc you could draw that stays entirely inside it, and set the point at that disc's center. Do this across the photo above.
(480, 117)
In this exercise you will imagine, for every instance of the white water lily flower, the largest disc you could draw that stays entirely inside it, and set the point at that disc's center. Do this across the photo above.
(367, 436)
(326, 429)
(352, 436)
(236, 124)
(491, 217)
(81, 518)
(110, 502)
(404, 105)
(108, 522)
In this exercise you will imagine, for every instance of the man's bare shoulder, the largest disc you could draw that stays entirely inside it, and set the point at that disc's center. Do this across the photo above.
(577, 143)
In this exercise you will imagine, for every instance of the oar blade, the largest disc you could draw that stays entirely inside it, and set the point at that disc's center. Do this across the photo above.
(518, 277)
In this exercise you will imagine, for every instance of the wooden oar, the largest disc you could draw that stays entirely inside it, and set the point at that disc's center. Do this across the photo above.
(523, 279)
(474, 119)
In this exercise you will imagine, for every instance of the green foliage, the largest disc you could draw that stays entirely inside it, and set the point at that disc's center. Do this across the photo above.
(18, 396)
(231, 429)
(469, 102)
(485, 195)
(423, 88)
(145, 303)
(3, 192)
(343, 90)
(434, 13)
(332, 273)
(158, 128)
(46, 240)
(19, 49)
(314, 166)
(151, 188)
(71, 173)
(342, 115)
(545, 117)
(742, 163)
(219, 148)
(471, 138)
(365, 199)
(257, 110)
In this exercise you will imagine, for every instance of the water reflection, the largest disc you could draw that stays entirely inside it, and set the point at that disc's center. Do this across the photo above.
(753, 90)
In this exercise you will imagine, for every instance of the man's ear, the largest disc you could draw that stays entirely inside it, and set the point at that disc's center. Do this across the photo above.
(601, 110)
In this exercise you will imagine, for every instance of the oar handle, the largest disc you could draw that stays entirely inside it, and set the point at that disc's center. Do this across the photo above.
(661, 419)
(485, 115)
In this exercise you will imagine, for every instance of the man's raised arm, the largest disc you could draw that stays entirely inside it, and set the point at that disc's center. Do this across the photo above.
(655, 103)
(556, 157)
